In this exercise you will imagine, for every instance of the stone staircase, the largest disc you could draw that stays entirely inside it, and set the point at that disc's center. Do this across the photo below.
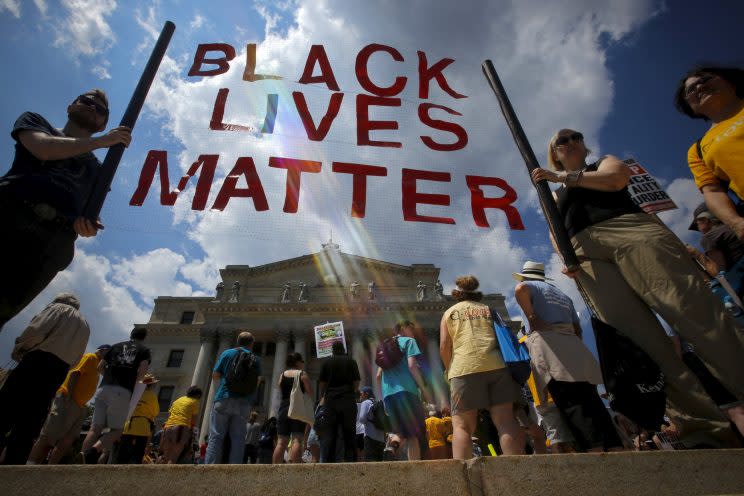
(658, 473)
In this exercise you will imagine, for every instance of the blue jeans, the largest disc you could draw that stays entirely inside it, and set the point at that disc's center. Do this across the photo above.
(228, 418)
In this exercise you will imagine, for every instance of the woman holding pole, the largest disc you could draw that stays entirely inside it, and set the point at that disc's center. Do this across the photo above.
(631, 266)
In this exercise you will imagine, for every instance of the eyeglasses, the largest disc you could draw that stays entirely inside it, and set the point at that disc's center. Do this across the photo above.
(86, 100)
(563, 140)
(692, 89)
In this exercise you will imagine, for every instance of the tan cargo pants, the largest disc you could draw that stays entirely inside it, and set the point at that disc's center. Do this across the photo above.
(631, 267)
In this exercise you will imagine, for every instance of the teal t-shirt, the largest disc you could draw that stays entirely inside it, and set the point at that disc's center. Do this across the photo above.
(222, 365)
(399, 378)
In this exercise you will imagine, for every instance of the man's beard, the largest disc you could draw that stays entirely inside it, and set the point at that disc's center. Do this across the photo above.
(84, 119)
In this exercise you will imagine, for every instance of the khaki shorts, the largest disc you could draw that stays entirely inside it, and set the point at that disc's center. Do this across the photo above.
(111, 407)
(65, 419)
(483, 390)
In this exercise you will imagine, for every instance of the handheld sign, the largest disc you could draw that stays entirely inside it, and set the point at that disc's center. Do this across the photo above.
(645, 191)
(326, 335)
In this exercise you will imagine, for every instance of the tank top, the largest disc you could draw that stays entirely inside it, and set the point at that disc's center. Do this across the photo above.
(582, 207)
(286, 386)
(474, 345)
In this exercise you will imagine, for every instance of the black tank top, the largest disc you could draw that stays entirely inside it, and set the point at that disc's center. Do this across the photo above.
(286, 386)
(582, 207)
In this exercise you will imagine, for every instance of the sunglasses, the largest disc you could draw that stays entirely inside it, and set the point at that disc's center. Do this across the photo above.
(86, 100)
(563, 140)
(691, 90)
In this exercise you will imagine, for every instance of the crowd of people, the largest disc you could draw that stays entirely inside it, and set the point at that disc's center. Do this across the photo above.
(633, 271)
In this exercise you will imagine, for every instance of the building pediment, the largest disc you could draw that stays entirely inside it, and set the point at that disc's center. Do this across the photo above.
(329, 268)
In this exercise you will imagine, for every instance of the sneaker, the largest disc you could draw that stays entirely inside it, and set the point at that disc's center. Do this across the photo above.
(79, 458)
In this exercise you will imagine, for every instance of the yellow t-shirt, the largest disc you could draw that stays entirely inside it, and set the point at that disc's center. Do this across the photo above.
(723, 155)
(182, 411)
(474, 344)
(437, 430)
(87, 381)
(147, 407)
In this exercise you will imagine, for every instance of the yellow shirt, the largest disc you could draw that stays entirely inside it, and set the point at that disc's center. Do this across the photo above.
(182, 411)
(474, 345)
(437, 430)
(723, 155)
(87, 381)
(147, 407)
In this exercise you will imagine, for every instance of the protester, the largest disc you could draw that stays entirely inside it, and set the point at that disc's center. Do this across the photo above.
(561, 364)
(447, 421)
(123, 366)
(62, 426)
(232, 407)
(267, 441)
(400, 385)
(374, 438)
(632, 266)
(436, 432)
(723, 251)
(252, 433)
(716, 94)
(54, 340)
(338, 387)
(549, 419)
(526, 415)
(139, 428)
(177, 430)
(287, 427)
(476, 372)
(44, 193)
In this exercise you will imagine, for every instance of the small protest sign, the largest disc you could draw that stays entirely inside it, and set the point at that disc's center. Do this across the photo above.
(645, 191)
(326, 335)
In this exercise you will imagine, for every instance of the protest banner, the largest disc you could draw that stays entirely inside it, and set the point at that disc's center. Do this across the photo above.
(645, 191)
(326, 335)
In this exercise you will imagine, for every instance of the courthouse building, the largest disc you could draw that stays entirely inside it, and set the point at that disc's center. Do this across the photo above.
(280, 303)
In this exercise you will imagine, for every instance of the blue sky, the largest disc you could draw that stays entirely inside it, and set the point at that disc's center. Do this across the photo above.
(607, 68)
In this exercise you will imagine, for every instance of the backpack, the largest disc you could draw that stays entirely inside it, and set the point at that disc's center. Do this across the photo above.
(377, 416)
(388, 354)
(242, 373)
(515, 354)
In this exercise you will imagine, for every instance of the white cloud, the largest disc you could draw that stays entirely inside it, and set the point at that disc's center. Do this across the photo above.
(197, 22)
(85, 30)
(109, 308)
(42, 6)
(101, 72)
(687, 197)
(152, 274)
(12, 6)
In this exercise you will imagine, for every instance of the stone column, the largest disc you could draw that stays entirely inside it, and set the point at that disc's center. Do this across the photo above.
(206, 352)
(301, 346)
(357, 353)
(226, 340)
(438, 387)
(280, 359)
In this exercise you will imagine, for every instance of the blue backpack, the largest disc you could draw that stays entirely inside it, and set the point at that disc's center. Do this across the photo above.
(516, 356)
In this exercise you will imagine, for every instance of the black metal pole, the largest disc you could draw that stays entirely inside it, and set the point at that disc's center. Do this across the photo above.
(114, 154)
(555, 223)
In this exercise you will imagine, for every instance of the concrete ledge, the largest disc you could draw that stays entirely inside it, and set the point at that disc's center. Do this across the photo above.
(709, 472)
(660, 473)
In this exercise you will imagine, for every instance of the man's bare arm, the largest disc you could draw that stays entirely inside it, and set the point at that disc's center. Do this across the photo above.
(47, 147)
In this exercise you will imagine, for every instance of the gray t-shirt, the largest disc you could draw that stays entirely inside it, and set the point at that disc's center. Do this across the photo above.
(550, 304)
(252, 433)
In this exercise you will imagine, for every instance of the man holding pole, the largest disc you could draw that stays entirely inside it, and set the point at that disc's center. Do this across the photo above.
(44, 194)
